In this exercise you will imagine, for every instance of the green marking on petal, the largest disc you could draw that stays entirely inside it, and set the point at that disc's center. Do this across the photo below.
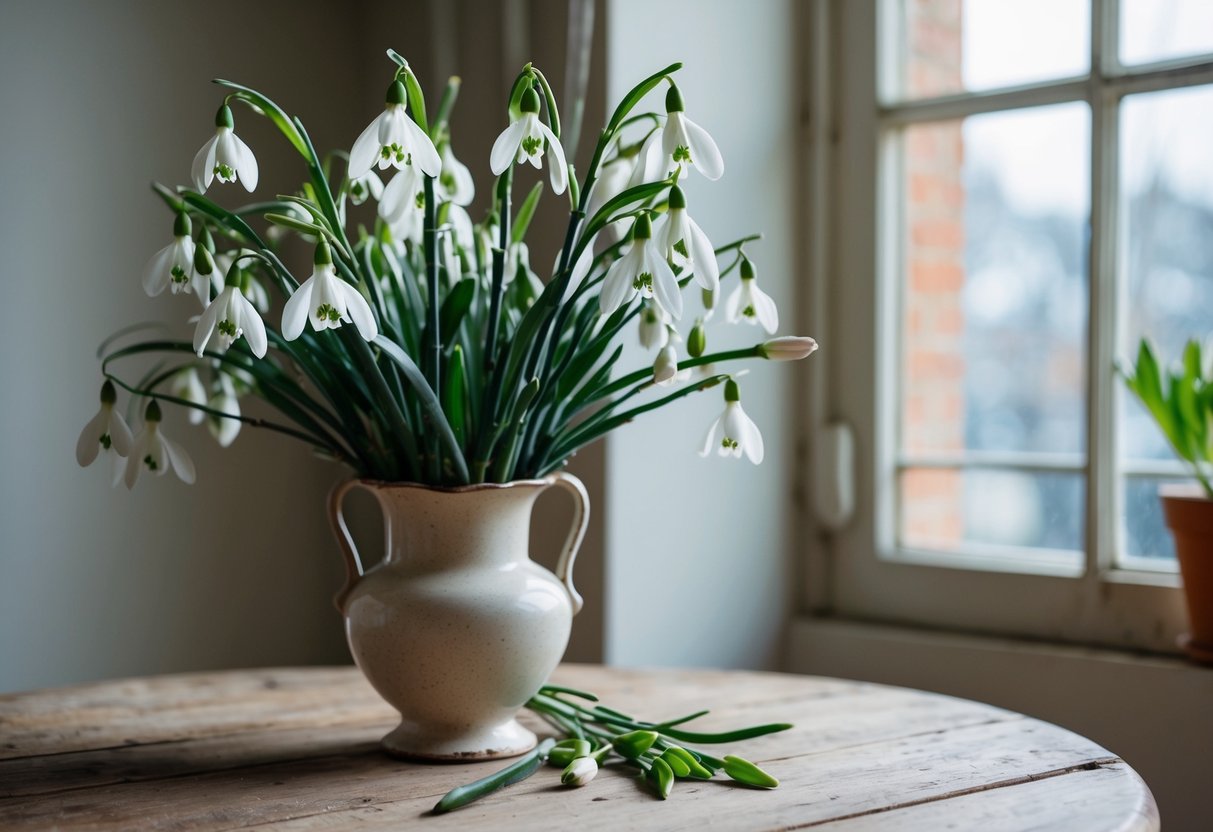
(643, 281)
(749, 312)
(729, 444)
(682, 153)
(106, 442)
(327, 312)
(226, 173)
(227, 328)
(531, 145)
(150, 463)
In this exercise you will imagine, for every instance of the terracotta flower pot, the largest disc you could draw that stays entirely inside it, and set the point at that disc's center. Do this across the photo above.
(1190, 517)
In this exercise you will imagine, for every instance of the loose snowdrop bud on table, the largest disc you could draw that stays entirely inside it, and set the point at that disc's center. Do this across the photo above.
(579, 772)
(224, 156)
(788, 348)
(743, 771)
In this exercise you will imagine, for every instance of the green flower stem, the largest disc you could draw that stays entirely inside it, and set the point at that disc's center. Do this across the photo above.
(520, 770)
(637, 376)
(504, 187)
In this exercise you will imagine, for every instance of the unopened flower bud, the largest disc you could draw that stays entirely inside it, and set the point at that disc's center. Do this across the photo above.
(676, 763)
(743, 771)
(697, 341)
(694, 767)
(788, 348)
(108, 394)
(579, 772)
(662, 778)
(665, 368)
(566, 751)
(747, 268)
(152, 414)
(635, 743)
(653, 332)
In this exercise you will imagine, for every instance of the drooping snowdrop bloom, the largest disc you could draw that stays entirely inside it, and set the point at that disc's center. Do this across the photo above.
(393, 140)
(665, 368)
(187, 385)
(681, 240)
(107, 431)
(736, 431)
(455, 182)
(367, 185)
(252, 287)
(579, 772)
(328, 301)
(518, 267)
(654, 330)
(750, 304)
(232, 316)
(172, 265)
(156, 452)
(679, 143)
(524, 141)
(463, 227)
(788, 348)
(404, 195)
(641, 270)
(612, 180)
(224, 157)
(224, 401)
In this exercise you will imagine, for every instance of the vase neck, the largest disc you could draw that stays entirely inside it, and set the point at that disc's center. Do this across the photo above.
(430, 529)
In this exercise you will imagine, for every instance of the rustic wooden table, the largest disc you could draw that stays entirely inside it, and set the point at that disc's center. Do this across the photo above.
(296, 749)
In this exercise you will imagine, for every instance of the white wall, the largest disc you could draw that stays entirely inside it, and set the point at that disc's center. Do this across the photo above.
(97, 100)
(697, 572)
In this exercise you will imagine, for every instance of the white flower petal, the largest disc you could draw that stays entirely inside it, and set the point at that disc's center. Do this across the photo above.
(665, 285)
(203, 169)
(616, 287)
(709, 438)
(180, 461)
(365, 150)
(705, 156)
(505, 148)
(134, 461)
(250, 322)
(425, 156)
(703, 257)
(751, 438)
(764, 309)
(206, 323)
(359, 311)
(120, 434)
(732, 306)
(648, 161)
(156, 272)
(295, 312)
(88, 446)
(558, 169)
(247, 169)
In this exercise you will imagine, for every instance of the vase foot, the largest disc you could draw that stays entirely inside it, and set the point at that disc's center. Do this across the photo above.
(411, 741)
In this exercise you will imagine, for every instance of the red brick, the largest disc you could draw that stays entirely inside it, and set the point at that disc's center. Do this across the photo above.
(936, 276)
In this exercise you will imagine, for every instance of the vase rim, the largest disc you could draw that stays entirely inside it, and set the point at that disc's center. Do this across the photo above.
(1187, 492)
(460, 489)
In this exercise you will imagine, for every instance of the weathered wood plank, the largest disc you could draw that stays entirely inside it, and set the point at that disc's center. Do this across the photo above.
(1091, 800)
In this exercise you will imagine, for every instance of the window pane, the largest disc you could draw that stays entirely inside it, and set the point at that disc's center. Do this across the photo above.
(1155, 30)
(1145, 530)
(1167, 199)
(994, 283)
(947, 509)
(951, 46)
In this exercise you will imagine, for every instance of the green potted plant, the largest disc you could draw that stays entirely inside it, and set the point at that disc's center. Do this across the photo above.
(1181, 402)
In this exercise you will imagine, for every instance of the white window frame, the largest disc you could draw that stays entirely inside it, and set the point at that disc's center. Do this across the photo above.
(853, 304)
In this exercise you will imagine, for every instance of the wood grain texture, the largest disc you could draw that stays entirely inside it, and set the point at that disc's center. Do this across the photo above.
(296, 749)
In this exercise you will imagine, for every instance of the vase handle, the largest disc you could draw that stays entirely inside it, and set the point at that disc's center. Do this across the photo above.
(345, 542)
(572, 543)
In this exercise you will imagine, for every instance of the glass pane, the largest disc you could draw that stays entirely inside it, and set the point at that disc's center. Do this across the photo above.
(945, 509)
(1155, 30)
(1145, 530)
(994, 283)
(952, 46)
(1167, 199)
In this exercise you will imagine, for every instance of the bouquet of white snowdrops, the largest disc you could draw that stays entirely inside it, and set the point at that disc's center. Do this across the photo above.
(424, 347)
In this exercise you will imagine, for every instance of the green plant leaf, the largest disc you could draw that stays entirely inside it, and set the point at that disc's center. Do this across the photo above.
(525, 212)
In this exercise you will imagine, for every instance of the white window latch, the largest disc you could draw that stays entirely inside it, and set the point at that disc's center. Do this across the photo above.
(833, 486)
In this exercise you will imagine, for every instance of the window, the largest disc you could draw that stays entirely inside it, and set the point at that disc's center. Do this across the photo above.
(1017, 192)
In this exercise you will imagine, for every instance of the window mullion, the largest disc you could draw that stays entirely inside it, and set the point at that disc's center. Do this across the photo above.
(1102, 492)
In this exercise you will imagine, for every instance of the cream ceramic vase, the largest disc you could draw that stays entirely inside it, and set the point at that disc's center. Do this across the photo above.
(457, 628)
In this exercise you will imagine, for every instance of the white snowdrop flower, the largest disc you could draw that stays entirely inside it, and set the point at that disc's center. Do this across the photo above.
(524, 141)
(231, 316)
(788, 348)
(641, 270)
(612, 180)
(750, 304)
(187, 385)
(155, 452)
(679, 143)
(224, 400)
(107, 431)
(393, 140)
(463, 227)
(407, 228)
(328, 301)
(449, 259)
(455, 183)
(404, 195)
(654, 331)
(172, 265)
(252, 287)
(367, 186)
(206, 274)
(518, 267)
(224, 157)
(736, 431)
(579, 271)
(579, 772)
(681, 240)
(665, 368)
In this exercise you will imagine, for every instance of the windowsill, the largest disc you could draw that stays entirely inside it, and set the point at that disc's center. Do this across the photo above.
(1151, 709)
